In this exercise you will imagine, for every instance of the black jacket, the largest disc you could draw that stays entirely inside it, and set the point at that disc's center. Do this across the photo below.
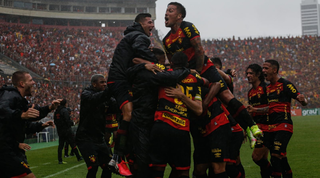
(134, 44)
(12, 127)
(145, 91)
(62, 120)
(92, 116)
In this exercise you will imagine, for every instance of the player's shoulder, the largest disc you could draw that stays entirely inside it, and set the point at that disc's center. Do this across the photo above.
(186, 24)
(284, 81)
(191, 78)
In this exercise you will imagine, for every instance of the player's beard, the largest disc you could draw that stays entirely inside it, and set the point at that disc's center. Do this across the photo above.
(28, 91)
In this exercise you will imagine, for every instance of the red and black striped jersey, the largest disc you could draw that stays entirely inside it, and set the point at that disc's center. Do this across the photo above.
(172, 110)
(180, 41)
(257, 97)
(214, 117)
(279, 99)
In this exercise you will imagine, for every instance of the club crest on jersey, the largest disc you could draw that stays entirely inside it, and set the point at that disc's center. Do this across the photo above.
(92, 158)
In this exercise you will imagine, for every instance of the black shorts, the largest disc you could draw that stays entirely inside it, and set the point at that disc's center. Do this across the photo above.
(261, 141)
(214, 147)
(13, 164)
(213, 76)
(95, 154)
(278, 141)
(121, 91)
(170, 145)
(235, 145)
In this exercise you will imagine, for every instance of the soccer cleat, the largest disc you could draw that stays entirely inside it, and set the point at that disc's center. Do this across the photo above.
(124, 169)
(62, 162)
(251, 138)
(256, 131)
(81, 158)
(66, 156)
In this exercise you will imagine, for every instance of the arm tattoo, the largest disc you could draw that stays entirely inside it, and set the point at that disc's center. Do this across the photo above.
(199, 53)
(264, 110)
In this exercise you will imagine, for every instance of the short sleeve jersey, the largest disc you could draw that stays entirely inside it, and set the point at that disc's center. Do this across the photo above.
(181, 41)
(279, 99)
(257, 97)
(172, 110)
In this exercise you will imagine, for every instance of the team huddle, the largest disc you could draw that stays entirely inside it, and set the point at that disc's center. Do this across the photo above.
(160, 105)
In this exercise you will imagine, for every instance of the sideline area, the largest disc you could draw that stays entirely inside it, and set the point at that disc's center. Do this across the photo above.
(36, 146)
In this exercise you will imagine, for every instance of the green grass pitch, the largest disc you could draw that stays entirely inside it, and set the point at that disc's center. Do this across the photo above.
(303, 156)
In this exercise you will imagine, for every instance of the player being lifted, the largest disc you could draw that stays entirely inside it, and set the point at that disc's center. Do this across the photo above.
(185, 37)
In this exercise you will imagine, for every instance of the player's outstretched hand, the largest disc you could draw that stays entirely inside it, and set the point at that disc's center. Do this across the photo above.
(30, 113)
(24, 146)
(302, 100)
(153, 68)
(48, 123)
(55, 104)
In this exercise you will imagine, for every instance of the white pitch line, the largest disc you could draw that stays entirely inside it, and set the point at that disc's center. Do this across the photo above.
(33, 167)
(46, 163)
(64, 170)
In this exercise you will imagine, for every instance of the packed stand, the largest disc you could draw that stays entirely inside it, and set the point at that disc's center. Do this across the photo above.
(297, 56)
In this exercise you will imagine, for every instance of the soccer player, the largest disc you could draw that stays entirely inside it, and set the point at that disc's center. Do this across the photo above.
(257, 97)
(184, 36)
(15, 122)
(91, 130)
(279, 94)
(145, 98)
(63, 122)
(170, 138)
(135, 43)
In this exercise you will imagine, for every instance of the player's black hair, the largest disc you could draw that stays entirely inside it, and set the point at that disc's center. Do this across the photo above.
(157, 51)
(179, 59)
(257, 69)
(140, 17)
(63, 102)
(181, 9)
(18, 76)
(274, 63)
(217, 62)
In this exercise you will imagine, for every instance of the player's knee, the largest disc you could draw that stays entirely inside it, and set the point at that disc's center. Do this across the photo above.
(31, 175)
(219, 167)
(200, 169)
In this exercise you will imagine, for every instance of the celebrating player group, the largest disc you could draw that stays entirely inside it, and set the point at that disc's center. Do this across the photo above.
(160, 105)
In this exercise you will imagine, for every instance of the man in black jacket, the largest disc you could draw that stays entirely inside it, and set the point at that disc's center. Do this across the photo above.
(91, 129)
(15, 122)
(64, 123)
(135, 44)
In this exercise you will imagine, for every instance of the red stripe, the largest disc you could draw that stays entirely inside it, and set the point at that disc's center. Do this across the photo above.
(183, 168)
(230, 161)
(283, 154)
(215, 123)
(279, 107)
(158, 116)
(288, 172)
(90, 167)
(238, 111)
(276, 127)
(239, 175)
(206, 66)
(110, 82)
(110, 126)
(127, 101)
(276, 173)
(195, 37)
(22, 175)
(120, 131)
(157, 165)
(237, 128)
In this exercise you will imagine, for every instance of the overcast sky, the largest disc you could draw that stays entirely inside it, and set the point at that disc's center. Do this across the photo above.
(241, 18)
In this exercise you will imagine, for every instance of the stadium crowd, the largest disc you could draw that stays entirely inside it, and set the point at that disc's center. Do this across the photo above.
(74, 55)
